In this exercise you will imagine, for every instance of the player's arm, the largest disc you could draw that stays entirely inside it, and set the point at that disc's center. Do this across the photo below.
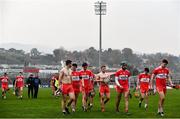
(152, 80)
(15, 83)
(82, 80)
(137, 83)
(117, 82)
(10, 81)
(23, 81)
(129, 83)
(170, 80)
(98, 79)
(61, 74)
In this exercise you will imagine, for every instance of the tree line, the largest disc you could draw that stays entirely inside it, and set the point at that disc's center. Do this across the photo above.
(110, 57)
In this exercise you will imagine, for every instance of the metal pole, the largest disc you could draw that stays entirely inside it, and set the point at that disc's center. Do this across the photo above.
(100, 37)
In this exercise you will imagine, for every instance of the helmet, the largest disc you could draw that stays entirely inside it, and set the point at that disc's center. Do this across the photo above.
(123, 63)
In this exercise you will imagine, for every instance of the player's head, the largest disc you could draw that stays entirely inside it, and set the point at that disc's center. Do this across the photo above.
(20, 73)
(5, 74)
(31, 75)
(74, 66)
(84, 65)
(146, 70)
(103, 68)
(124, 65)
(68, 63)
(164, 63)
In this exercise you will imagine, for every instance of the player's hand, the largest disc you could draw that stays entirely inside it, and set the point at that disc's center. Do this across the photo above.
(120, 86)
(172, 85)
(137, 88)
(154, 91)
(151, 87)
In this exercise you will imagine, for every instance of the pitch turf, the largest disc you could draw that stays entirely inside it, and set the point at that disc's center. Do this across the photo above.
(48, 106)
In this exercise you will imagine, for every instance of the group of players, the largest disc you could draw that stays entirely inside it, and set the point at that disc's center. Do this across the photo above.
(18, 85)
(72, 82)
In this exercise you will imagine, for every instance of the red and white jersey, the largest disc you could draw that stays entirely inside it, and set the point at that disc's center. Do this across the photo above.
(20, 81)
(123, 77)
(161, 74)
(144, 80)
(75, 78)
(4, 80)
(86, 76)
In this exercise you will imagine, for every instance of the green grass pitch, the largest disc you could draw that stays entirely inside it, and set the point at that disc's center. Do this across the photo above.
(48, 106)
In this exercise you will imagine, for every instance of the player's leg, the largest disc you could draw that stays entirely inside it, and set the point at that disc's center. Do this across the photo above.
(76, 98)
(85, 94)
(53, 90)
(141, 98)
(107, 92)
(146, 100)
(21, 92)
(91, 98)
(3, 92)
(63, 103)
(161, 102)
(107, 98)
(72, 101)
(126, 97)
(102, 101)
(83, 99)
(118, 98)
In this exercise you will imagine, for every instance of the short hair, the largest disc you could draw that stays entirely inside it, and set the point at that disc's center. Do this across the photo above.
(20, 72)
(5, 73)
(103, 66)
(165, 61)
(84, 64)
(146, 69)
(74, 64)
(68, 62)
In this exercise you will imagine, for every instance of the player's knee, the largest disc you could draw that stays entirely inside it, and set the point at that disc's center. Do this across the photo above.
(73, 98)
(162, 98)
(126, 98)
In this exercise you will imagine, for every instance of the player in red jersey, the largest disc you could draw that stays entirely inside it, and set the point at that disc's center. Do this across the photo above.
(75, 81)
(4, 84)
(85, 86)
(65, 79)
(104, 90)
(52, 83)
(143, 82)
(161, 74)
(19, 84)
(122, 85)
(91, 91)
